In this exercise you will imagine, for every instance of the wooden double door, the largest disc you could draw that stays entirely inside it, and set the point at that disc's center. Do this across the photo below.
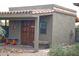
(27, 32)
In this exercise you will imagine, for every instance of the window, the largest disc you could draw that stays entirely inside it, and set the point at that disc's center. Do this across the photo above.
(43, 25)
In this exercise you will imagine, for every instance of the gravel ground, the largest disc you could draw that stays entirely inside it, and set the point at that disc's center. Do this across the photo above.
(21, 51)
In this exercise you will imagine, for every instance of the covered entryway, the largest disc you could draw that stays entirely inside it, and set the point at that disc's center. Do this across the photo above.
(24, 26)
(27, 32)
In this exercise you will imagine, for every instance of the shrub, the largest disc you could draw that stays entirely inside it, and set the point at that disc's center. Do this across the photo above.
(2, 31)
(2, 34)
(72, 50)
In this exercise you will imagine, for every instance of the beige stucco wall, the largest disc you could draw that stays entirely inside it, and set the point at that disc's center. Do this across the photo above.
(63, 29)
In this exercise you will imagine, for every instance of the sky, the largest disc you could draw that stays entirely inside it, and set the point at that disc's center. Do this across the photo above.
(5, 4)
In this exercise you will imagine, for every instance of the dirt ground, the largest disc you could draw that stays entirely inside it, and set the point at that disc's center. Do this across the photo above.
(22, 51)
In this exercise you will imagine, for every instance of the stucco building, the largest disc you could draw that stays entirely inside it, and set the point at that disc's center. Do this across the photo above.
(42, 24)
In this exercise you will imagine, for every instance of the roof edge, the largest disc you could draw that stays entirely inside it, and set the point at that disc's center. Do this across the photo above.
(65, 8)
(53, 5)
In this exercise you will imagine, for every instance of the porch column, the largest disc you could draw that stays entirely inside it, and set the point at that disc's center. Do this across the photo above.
(36, 37)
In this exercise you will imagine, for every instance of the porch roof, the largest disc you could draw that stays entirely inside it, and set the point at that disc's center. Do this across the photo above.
(35, 12)
(25, 13)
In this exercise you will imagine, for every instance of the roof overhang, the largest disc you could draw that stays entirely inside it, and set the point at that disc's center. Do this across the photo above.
(76, 4)
(34, 13)
(25, 13)
(63, 11)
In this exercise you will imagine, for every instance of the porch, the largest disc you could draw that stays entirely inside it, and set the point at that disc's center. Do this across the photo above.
(29, 29)
(16, 32)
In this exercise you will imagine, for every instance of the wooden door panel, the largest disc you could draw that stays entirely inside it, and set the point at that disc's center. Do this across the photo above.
(27, 32)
